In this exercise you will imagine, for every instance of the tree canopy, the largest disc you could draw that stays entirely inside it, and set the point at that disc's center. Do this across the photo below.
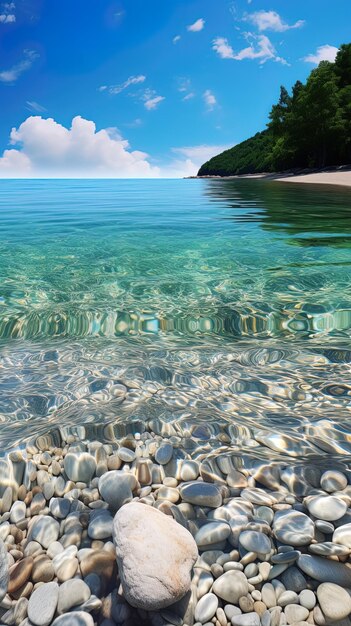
(308, 128)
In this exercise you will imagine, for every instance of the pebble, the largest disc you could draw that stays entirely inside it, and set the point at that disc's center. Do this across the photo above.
(43, 569)
(71, 594)
(288, 597)
(75, 618)
(307, 599)
(268, 595)
(325, 570)
(100, 526)
(295, 613)
(212, 533)
(18, 512)
(164, 454)
(334, 601)
(116, 488)
(231, 586)
(79, 466)
(293, 528)
(246, 619)
(189, 471)
(4, 571)
(149, 580)
(20, 573)
(45, 530)
(59, 507)
(342, 535)
(206, 608)
(333, 480)
(42, 604)
(126, 455)
(201, 493)
(255, 542)
(328, 508)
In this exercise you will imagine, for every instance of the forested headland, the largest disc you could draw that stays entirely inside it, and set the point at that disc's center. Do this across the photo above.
(308, 128)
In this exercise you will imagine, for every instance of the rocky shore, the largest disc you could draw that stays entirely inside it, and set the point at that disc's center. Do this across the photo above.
(140, 531)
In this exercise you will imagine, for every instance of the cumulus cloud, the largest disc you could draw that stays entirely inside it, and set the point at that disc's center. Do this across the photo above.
(116, 89)
(7, 15)
(260, 48)
(189, 159)
(11, 75)
(210, 99)
(197, 26)
(151, 99)
(45, 148)
(323, 53)
(270, 20)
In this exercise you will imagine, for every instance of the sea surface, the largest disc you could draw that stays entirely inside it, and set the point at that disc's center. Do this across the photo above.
(219, 310)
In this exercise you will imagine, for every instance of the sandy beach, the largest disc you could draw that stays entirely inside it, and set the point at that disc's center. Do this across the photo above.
(321, 178)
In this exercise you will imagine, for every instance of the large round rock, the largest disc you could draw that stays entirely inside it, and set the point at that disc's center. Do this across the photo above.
(155, 556)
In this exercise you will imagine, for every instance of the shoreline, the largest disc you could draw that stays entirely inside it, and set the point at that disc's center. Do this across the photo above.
(340, 177)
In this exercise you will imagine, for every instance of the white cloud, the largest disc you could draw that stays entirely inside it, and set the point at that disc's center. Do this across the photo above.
(116, 89)
(185, 87)
(11, 75)
(223, 48)
(260, 48)
(35, 107)
(323, 53)
(197, 26)
(176, 39)
(189, 160)
(7, 16)
(210, 99)
(45, 148)
(151, 99)
(270, 20)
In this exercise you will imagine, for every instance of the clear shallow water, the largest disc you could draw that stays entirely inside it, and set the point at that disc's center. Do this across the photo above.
(219, 308)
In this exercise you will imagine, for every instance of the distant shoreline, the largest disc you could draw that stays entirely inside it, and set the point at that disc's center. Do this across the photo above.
(340, 176)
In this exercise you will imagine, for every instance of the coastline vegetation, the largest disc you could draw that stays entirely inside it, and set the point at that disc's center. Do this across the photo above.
(308, 128)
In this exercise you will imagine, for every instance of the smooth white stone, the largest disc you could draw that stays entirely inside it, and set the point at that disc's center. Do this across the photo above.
(79, 466)
(154, 572)
(342, 535)
(307, 599)
(45, 530)
(334, 601)
(18, 512)
(295, 613)
(328, 508)
(246, 619)
(332, 480)
(206, 608)
(72, 593)
(231, 586)
(42, 604)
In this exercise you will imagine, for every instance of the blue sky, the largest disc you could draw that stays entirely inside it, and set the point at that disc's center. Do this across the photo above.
(154, 87)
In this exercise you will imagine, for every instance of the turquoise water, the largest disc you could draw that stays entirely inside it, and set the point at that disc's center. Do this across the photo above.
(220, 308)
